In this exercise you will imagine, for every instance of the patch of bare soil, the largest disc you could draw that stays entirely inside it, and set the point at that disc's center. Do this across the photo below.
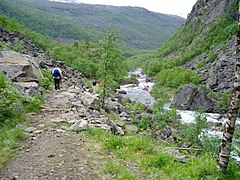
(52, 152)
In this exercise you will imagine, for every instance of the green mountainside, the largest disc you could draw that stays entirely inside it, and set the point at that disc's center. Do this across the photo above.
(66, 22)
(200, 35)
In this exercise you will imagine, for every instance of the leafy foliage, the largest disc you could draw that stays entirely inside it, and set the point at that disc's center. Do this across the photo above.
(83, 56)
(10, 99)
(46, 81)
(176, 77)
(12, 106)
(111, 67)
(33, 104)
(224, 101)
(191, 132)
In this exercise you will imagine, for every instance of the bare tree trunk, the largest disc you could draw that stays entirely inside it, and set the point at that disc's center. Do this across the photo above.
(104, 88)
(225, 146)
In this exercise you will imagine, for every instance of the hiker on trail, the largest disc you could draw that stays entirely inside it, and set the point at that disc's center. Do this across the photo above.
(57, 76)
(98, 81)
(94, 83)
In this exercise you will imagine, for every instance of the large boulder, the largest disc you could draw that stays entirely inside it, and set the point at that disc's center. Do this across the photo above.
(19, 67)
(188, 97)
(184, 97)
(91, 101)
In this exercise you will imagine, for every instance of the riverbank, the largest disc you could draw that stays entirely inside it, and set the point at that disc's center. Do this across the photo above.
(139, 93)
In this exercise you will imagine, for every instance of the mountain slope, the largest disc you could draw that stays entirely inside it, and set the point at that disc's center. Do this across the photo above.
(205, 44)
(141, 28)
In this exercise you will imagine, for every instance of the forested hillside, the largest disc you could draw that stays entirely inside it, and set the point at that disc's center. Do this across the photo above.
(67, 22)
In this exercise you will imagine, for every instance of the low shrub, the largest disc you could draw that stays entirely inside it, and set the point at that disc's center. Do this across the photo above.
(46, 81)
(177, 76)
(192, 131)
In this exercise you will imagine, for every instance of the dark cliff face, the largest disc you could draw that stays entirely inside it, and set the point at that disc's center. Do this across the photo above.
(217, 74)
(211, 29)
(207, 11)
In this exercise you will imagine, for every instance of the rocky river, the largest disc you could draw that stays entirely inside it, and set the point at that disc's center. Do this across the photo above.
(141, 93)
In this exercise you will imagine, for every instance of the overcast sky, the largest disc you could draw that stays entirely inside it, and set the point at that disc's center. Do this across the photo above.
(176, 7)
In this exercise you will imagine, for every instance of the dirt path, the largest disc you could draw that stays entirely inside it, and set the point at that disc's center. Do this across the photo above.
(53, 152)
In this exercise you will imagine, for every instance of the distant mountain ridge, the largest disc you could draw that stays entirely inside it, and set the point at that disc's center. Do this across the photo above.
(66, 1)
(142, 29)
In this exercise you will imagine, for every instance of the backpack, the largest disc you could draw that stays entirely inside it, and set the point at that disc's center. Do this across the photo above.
(56, 73)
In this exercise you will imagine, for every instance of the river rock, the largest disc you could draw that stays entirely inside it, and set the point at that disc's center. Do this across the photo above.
(132, 80)
(150, 79)
(188, 97)
(203, 101)
(120, 91)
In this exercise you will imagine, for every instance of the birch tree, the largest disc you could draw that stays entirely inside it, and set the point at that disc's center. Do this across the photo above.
(225, 146)
(111, 66)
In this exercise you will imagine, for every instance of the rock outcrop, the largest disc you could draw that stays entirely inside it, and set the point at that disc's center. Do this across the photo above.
(218, 70)
(19, 67)
(12, 38)
(131, 80)
(218, 74)
(209, 10)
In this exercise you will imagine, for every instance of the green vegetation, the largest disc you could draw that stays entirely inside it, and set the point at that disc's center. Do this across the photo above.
(169, 80)
(176, 77)
(138, 157)
(201, 64)
(12, 107)
(191, 40)
(10, 138)
(223, 103)
(111, 62)
(191, 132)
(46, 81)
